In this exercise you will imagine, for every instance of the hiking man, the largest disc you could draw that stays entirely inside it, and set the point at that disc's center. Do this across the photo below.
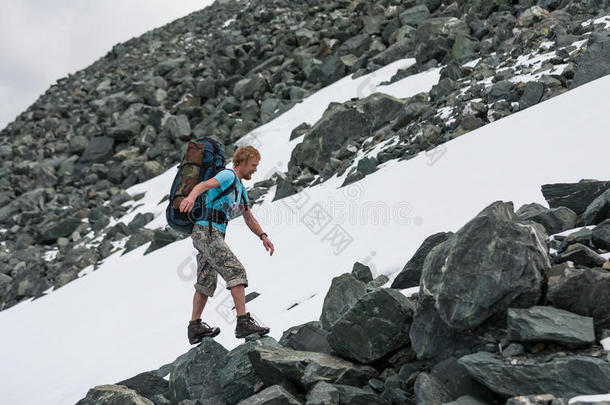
(214, 254)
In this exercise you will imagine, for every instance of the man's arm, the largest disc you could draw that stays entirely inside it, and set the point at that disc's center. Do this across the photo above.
(255, 227)
(252, 223)
(202, 187)
(187, 203)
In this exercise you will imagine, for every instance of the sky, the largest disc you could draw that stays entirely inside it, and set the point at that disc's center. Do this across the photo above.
(130, 314)
(42, 41)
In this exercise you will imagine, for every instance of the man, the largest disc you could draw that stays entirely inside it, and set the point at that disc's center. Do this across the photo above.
(214, 254)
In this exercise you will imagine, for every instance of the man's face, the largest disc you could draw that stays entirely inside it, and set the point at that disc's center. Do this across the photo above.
(249, 167)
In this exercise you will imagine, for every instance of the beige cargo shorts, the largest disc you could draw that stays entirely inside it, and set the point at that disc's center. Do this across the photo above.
(215, 256)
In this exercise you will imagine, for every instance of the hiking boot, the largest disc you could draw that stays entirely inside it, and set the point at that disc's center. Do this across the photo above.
(197, 330)
(246, 325)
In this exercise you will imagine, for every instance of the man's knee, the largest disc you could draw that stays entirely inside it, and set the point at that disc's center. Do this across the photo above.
(205, 290)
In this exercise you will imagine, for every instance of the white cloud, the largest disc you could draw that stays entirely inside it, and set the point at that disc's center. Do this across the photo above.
(43, 41)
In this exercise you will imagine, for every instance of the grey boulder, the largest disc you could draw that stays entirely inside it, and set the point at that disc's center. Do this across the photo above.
(548, 324)
(307, 337)
(195, 374)
(410, 274)
(376, 325)
(113, 394)
(562, 377)
(583, 292)
(344, 291)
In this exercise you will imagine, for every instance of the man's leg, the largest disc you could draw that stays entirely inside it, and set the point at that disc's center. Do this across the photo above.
(239, 298)
(199, 301)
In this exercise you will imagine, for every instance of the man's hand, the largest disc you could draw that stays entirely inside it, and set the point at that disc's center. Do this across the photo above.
(268, 245)
(187, 204)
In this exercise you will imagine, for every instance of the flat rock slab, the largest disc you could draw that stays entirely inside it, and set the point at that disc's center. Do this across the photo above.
(279, 365)
(563, 377)
(548, 324)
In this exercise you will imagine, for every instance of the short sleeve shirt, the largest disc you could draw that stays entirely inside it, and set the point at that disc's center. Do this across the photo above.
(229, 203)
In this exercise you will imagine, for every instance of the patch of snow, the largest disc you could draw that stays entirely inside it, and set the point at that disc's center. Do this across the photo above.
(445, 112)
(228, 22)
(590, 398)
(472, 63)
(601, 20)
(409, 292)
(570, 231)
(49, 290)
(119, 244)
(50, 255)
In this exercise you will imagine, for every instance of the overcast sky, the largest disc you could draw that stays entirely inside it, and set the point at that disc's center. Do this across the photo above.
(42, 41)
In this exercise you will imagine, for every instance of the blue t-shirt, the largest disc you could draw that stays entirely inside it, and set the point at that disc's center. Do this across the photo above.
(228, 203)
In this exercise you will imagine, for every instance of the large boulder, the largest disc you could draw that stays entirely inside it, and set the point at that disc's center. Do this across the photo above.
(563, 377)
(99, 150)
(287, 367)
(548, 324)
(432, 338)
(597, 211)
(326, 72)
(113, 394)
(381, 108)
(63, 228)
(554, 220)
(581, 255)
(362, 272)
(436, 36)
(410, 274)
(494, 262)
(532, 94)
(324, 393)
(238, 379)
(583, 292)
(375, 326)
(575, 196)
(338, 125)
(356, 45)
(195, 375)
(595, 61)
(465, 47)
(308, 337)
(147, 384)
(398, 50)
(600, 237)
(344, 291)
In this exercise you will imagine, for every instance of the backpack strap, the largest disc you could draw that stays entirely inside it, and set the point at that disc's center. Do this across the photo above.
(215, 149)
(226, 190)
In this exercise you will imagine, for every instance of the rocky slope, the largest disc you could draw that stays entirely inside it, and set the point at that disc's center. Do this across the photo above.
(505, 314)
(224, 70)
